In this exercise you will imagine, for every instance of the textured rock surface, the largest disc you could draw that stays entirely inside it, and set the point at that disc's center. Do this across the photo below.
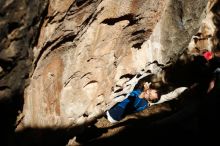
(20, 23)
(76, 52)
(85, 47)
(18, 35)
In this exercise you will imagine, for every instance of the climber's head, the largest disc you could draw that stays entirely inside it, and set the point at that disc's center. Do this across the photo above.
(152, 95)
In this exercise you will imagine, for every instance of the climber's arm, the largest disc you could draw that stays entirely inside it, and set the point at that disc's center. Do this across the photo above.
(169, 96)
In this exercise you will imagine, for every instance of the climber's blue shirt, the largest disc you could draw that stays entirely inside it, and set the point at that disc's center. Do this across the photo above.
(129, 105)
(134, 101)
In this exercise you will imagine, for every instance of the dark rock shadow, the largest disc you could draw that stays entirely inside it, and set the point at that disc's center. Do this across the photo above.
(190, 123)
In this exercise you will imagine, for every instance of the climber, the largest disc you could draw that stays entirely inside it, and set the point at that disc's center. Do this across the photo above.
(208, 118)
(213, 68)
(214, 64)
(138, 100)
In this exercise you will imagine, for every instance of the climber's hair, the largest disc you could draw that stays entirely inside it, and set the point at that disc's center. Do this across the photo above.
(155, 84)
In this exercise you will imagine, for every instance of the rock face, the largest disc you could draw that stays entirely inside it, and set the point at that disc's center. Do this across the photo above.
(85, 47)
(19, 33)
(20, 23)
(74, 53)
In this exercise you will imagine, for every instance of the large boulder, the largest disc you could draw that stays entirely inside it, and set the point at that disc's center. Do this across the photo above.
(86, 46)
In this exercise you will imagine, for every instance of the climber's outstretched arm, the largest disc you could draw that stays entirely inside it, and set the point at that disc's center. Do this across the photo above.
(172, 95)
